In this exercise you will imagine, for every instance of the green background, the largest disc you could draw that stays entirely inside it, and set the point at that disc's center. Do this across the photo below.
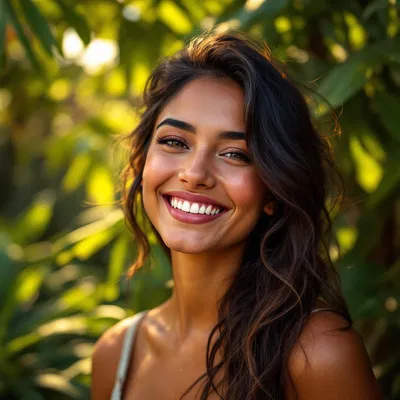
(71, 75)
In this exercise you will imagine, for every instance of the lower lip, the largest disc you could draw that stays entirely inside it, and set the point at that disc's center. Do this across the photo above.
(183, 216)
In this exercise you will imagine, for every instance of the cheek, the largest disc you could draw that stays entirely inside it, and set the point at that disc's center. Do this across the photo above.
(156, 168)
(247, 190)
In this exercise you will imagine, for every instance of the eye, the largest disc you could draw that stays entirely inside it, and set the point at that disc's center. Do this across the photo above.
(238, 156)
(172, 142)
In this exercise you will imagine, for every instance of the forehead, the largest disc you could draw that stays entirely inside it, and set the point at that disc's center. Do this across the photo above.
(208, 102)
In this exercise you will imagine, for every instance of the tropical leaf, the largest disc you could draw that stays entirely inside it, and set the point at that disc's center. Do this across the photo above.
(39, 25)
(12, 16)
(345, 80)
(76, 20)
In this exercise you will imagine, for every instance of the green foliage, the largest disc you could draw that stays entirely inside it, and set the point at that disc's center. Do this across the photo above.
(70, 77)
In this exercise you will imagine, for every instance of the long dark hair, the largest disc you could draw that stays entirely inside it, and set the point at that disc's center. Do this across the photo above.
(286, 266)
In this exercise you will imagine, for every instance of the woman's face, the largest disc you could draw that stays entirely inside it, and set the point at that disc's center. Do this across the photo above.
(199, 149)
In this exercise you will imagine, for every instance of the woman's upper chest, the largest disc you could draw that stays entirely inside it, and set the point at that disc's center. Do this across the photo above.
(157, 370)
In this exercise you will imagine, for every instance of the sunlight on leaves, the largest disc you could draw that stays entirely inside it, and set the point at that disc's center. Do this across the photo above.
(357, 34)
(29, 282)
(76, 173)
(88, 230)
(72, 44)
(119, 116)
(369, 172)
(283, 24)
(170, 46)
(339, 52)
(140, 73)
(373, 146)
(393, 25)
(115, 83)
(73, 324)
(60, 89)
(35, 220)
(92, 244)
(57, 383)
(174, 17)
(98, 55)
(81, 297)
(100, 186)
(252, 5)
(118, 257)
(215, 7)
(80, 367)
(65, 257)
(110, 311)
(346, 237)
(20, 343)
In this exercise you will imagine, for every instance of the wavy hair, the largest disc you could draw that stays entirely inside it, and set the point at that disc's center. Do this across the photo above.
(286, 266)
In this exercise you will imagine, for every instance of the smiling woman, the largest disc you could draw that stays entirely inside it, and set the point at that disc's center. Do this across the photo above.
(234, 180)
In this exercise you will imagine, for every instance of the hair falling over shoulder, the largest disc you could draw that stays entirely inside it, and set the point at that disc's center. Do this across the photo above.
(287, 266)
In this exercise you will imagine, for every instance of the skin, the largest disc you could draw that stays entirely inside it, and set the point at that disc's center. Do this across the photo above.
(170, 346)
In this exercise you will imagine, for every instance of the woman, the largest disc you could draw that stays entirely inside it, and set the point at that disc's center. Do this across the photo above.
(233, 178)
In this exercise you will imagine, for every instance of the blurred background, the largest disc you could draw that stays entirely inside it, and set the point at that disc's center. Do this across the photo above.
(71, 75)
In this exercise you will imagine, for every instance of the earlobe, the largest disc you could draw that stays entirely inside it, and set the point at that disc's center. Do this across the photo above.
(269, 208)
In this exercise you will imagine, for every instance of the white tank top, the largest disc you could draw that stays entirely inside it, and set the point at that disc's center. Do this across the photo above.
(125, 356)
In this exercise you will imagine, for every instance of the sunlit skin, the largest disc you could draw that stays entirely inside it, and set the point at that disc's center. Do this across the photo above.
(169, 350)
(202, 254)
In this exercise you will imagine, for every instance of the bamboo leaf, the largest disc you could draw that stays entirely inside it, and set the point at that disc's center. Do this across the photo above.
(76, 20)
(40, 26)
(11, 14)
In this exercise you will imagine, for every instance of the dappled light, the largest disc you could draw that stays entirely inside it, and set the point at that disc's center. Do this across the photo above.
(71, 79)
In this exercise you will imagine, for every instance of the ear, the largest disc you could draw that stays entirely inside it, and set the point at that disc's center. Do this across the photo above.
(269, 208)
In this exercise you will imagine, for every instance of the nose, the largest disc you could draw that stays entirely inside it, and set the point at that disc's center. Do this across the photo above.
(197, 171)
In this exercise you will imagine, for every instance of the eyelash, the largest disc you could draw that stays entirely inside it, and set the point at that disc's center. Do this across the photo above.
(165, 140)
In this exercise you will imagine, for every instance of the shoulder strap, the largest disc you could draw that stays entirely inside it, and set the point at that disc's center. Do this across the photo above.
(125, 356)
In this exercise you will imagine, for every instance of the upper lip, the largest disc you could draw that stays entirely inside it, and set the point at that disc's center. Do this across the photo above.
(194, 198)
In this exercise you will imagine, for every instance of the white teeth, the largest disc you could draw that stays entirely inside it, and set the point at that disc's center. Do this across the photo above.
(186, 206)
(193, 208)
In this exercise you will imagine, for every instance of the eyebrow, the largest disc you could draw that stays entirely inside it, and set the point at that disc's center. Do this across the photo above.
(190, 128)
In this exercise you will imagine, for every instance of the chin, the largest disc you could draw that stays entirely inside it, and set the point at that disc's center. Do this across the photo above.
(187, 246)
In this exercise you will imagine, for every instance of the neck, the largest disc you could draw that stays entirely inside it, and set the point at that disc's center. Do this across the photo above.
(200, 281)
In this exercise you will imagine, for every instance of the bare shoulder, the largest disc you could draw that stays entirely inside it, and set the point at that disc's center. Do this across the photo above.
(329, 363)
(105, 359)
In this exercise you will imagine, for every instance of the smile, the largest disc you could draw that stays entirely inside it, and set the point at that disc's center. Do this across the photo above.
(193, 208)
(192, 212)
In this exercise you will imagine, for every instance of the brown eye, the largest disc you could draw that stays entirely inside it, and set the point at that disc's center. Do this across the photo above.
(238, 155)
(172, 142)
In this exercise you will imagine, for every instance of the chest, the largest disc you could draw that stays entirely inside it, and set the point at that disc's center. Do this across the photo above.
(158, 383)
(166, 377)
